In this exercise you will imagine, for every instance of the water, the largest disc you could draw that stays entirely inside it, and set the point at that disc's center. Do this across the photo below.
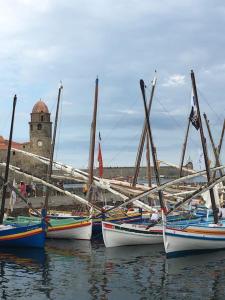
(84, 270)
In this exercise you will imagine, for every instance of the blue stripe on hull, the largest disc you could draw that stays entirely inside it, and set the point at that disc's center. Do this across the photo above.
(196, 237)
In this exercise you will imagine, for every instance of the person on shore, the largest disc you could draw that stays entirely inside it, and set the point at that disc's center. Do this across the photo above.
(44, 191)
(221, 213)
(33, 187)
(154, 217)
(23, 191)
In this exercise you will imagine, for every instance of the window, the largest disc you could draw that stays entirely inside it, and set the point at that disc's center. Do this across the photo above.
(31, 127)
(42, 118)
(39, 143)
(39, 126)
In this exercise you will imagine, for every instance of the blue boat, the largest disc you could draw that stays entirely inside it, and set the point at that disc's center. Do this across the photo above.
(14, 235)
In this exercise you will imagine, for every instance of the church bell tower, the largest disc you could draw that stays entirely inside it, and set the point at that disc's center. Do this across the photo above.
(40, 130)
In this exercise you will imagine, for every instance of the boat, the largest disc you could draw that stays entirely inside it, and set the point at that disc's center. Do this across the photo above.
(204, 236)
(115, 235)
(15, 235)
(60, 228)
(121, 234)
(70, 229)
(97, 222)
(207, 235)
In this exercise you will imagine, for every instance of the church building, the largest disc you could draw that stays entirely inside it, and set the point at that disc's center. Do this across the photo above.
(40, 129)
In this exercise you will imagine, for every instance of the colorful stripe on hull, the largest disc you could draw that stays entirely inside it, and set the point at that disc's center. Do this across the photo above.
(70, 226)
(97, 223)
(24, 236)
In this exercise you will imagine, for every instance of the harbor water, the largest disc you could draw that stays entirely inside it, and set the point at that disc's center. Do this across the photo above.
(87, 270)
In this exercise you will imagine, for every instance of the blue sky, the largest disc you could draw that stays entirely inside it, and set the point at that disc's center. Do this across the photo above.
(43, 42)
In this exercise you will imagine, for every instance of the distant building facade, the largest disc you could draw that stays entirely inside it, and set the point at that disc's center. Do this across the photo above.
(40, 129)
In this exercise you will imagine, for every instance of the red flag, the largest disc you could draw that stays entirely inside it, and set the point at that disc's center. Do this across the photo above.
(100, 162)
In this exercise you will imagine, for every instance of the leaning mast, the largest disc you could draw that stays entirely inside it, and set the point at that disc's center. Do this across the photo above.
(204, 148)
(49, 172)
(7, 162)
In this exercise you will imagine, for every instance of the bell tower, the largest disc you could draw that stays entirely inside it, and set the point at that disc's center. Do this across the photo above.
(40, 130)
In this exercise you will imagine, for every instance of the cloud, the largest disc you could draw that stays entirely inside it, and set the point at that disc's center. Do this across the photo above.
(121, 42)
(175, 80)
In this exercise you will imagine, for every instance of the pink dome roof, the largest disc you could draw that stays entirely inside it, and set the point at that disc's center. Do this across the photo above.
(40, 107)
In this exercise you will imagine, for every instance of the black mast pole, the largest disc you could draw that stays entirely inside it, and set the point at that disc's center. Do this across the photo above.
(7, 162)
(204, 148)
(49, 173)
(218, 164)
(219, 146)
(143, 138)
(184, 148)
(153, 148)
(148, 161)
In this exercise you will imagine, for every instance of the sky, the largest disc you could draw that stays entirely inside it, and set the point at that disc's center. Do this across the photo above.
(45, 42)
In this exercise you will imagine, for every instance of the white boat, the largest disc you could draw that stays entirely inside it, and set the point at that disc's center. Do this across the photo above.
(115, 235)
(70, 229)
(192, 238)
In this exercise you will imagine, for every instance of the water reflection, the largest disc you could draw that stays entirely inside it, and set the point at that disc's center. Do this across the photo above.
(20, 270)
(201, 274)
(84, 270)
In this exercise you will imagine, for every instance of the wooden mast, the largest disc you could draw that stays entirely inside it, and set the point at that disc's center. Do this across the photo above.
(153, 148)
(92, 142)
(49, 172)
(204, 147)
(213, 145)
(184, 148)
(149, 174)
(221, 138)
(143, 138)
(220, 145)
(7, 162)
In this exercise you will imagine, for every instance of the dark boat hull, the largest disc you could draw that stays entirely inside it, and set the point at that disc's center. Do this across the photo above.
(23, 236)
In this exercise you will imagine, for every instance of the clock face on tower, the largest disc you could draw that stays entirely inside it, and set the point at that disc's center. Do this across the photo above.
(40, 143)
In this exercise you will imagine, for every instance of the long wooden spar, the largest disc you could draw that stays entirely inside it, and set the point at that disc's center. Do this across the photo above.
(51, 186)
(105, 184)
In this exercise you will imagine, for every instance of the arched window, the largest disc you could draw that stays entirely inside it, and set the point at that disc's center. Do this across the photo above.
(42, 118)
(39, 126)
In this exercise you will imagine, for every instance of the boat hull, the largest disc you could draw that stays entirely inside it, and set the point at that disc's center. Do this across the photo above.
(116, 235)
(192, 239)
(97, 223)
(22, 236)
(70, 230)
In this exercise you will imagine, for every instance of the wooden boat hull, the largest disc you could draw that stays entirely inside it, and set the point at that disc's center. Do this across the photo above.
(97, 223)
(193, 238)
(22, 236)
(115, 235)
(60, 229)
